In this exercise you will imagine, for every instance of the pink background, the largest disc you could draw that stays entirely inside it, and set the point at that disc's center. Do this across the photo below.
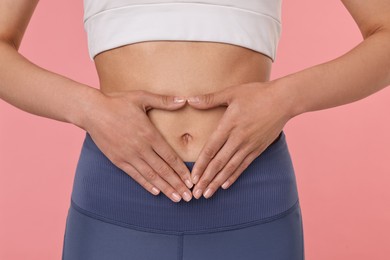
(341, 155)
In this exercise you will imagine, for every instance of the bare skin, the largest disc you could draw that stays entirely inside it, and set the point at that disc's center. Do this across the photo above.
(128, 118)
(181, 69)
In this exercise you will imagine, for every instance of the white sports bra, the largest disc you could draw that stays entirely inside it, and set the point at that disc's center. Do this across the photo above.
(254, 24)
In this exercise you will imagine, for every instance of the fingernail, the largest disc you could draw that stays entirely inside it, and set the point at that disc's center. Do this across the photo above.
(155, 190)
(176, 197)
(189, 183)
(179, 99)
(207, 193)
(193, 99)
(225, 185)
(187, 196)
(195, 179)
(198, 193)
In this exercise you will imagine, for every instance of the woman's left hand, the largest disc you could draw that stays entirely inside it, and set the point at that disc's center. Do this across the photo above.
(255, 116)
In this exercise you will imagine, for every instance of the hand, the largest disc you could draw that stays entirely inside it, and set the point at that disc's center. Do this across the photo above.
(122, 130)
(254, 118)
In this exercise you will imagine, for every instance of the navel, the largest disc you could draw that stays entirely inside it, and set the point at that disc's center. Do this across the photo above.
(186, 138)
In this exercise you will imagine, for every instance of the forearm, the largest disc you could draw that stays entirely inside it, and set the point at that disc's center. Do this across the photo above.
(358, 73)
(41, 92)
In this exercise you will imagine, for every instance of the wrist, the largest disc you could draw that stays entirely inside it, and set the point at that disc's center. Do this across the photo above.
(90, 100)
(287, 96)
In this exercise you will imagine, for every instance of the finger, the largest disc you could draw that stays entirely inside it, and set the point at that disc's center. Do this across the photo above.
(210, 100)
(245, 163)
(166, 172)
(165, 151)
(150, 100)
(214, 143)
(216, 164)
(238, 160)
(150, 175)
(133, 173)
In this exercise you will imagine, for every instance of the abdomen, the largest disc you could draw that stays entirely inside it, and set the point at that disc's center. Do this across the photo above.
(181, 68)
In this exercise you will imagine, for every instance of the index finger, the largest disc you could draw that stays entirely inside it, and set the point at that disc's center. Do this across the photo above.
(214, 143)
(165, 151)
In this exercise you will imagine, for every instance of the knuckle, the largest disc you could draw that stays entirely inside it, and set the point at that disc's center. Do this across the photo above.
(218, 163)
(149, 174)
(231, 167)
(141, 149)
(165, 100)
(164, 172)
(240, 134)
(245, 140)
(204, 182)
(171, 158)
(209, 152)
(162, 168)
(209, 98)
(181, 172)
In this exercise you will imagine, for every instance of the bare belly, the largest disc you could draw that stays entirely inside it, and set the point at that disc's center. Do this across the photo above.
(181, 68)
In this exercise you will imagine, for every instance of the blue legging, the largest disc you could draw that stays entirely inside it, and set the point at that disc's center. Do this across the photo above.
(277, 238)
(112, 217)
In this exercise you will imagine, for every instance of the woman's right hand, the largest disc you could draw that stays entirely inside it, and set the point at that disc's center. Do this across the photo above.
(120, 127)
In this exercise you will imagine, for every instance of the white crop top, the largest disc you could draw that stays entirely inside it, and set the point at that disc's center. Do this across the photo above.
(254, 24)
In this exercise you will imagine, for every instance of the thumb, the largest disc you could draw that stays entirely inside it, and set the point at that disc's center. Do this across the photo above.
(151, 100)
(210, 100)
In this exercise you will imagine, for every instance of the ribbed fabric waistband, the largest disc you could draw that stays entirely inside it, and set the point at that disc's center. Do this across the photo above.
(133, 23)
(265, 189)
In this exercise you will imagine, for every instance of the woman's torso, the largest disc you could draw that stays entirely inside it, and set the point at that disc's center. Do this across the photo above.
(265, 191)
(199, 50)
(181, 68)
